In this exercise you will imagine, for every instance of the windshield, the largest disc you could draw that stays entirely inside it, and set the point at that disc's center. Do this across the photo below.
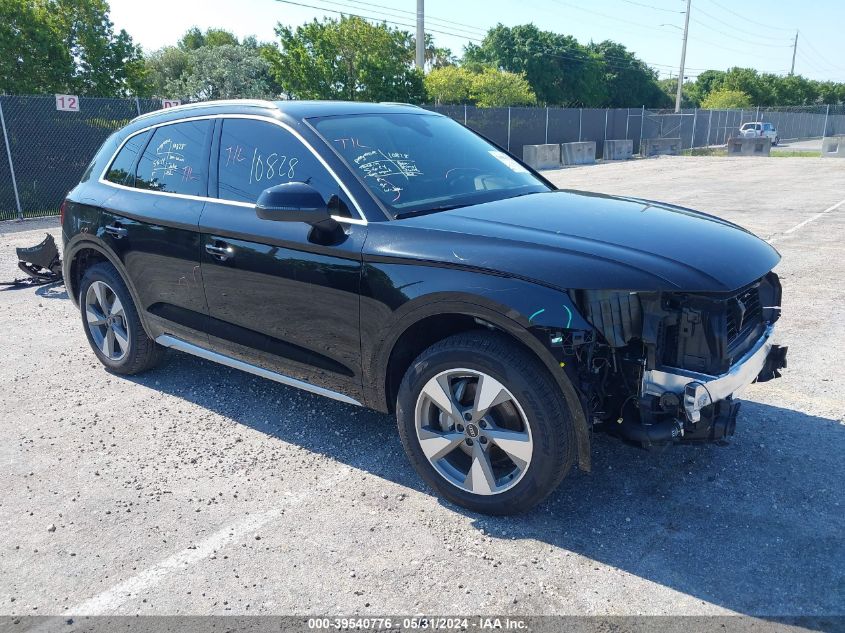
(415, 163)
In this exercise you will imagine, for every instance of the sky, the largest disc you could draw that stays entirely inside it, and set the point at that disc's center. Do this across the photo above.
(723, 33)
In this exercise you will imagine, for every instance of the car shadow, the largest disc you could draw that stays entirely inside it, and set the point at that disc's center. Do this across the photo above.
(52, 290)
(754, 527)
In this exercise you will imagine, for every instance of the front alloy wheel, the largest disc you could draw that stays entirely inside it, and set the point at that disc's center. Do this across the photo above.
(473, 431)
(485, 423)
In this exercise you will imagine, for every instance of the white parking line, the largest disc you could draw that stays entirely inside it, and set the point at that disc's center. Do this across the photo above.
(111, 599)
(807, 221)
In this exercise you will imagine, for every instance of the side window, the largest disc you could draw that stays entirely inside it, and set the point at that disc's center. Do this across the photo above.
(174, 159)
(121, 168)
(256, 155)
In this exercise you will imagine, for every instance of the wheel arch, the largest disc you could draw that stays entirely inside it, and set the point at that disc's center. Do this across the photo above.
(428, 324)
(80, 254)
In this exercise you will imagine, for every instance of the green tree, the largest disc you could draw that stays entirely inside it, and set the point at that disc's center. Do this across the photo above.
(66, 45)
(630, 82)
(558, 68)
(493, 88)
(435, 56)
(450, 84)
(347, 58)
(211, 65)
(32, 56)
(725, 99)
(194, 39)
(164, 66)
(225, 71)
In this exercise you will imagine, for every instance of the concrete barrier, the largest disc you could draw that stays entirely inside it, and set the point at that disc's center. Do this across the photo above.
(541, 156)
(753, 146)
(581, 153)
(833, 147)
(618, 150)
(660, 147)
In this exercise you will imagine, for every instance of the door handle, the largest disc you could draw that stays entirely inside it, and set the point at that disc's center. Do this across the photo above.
(220, 250)
(116, 230)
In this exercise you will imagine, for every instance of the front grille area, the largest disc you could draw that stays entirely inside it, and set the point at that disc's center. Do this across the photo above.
(708, 333)
(744, 314)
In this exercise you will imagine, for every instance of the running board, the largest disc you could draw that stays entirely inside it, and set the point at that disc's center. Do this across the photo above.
(172, 342)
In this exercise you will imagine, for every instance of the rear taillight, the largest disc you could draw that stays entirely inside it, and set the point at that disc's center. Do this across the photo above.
(62, 212)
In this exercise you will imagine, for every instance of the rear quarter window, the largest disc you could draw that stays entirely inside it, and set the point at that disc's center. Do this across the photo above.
(175, 159)
(122, 169)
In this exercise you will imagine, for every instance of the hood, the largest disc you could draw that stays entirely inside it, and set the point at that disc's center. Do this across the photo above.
(578, 240)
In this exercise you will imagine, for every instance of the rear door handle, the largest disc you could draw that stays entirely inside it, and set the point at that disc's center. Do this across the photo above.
(220, 250)
(116, 230)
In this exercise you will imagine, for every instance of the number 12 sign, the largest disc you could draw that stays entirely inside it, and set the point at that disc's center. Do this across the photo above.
(67, 103)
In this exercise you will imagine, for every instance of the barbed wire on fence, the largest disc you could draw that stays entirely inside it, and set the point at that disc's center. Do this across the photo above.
(47, 150)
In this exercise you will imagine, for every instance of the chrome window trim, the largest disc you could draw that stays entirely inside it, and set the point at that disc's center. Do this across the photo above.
(362, 220)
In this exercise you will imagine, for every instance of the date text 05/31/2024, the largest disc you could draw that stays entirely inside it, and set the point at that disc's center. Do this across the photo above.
(419, 623)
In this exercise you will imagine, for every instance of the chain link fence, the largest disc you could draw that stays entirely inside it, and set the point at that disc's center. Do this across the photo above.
(45, 151)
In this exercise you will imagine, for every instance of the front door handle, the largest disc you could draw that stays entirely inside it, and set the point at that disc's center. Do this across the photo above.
(220, 250)
(116, 231)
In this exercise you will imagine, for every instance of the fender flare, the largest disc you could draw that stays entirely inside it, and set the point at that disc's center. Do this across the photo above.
(82, 242)
(379, 361)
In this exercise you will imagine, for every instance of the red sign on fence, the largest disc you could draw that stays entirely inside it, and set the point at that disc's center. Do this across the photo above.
(170, 103)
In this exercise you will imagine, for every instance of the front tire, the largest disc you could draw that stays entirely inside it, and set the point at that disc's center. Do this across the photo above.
(112, 325)
(485, 424)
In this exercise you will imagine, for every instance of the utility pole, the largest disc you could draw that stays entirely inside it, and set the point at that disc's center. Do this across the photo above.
(421, 34)
(794, 50)
(683, 60)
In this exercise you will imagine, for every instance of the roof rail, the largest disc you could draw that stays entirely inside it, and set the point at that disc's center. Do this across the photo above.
(254, 103)
(399, 103)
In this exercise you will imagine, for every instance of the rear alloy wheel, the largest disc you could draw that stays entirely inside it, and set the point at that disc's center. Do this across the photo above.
(112, 324)
(485, 424)
(106, 321)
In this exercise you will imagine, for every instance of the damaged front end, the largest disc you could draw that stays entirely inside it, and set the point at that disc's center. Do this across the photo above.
(668, 365)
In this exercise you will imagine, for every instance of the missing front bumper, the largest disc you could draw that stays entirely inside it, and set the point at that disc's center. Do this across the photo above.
(698, 391)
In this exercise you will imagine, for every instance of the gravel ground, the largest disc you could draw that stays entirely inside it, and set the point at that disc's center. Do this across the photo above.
(195, 489)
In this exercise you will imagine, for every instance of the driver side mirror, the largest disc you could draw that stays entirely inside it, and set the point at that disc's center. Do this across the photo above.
(292, 202)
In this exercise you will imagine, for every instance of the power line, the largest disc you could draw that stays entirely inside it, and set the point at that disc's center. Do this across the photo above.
(743, 30)
(428, 17)
(375, 18)
(819, 56)
(651, 6)
(412, 17)
(611, 61)
(745, 17)
(648, 27)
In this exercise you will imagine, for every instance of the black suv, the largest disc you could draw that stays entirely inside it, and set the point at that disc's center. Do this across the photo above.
(386, 256)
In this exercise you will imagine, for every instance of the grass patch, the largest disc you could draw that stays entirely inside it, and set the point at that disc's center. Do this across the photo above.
(776, 153)
(796, 153)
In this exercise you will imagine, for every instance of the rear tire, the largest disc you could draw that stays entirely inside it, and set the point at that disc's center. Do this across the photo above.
(507, 439)
(112, 325)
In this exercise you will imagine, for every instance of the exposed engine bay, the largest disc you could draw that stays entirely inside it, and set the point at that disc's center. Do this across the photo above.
(665, 366)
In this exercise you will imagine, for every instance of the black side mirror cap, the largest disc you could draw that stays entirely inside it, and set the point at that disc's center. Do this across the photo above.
(292, 202)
